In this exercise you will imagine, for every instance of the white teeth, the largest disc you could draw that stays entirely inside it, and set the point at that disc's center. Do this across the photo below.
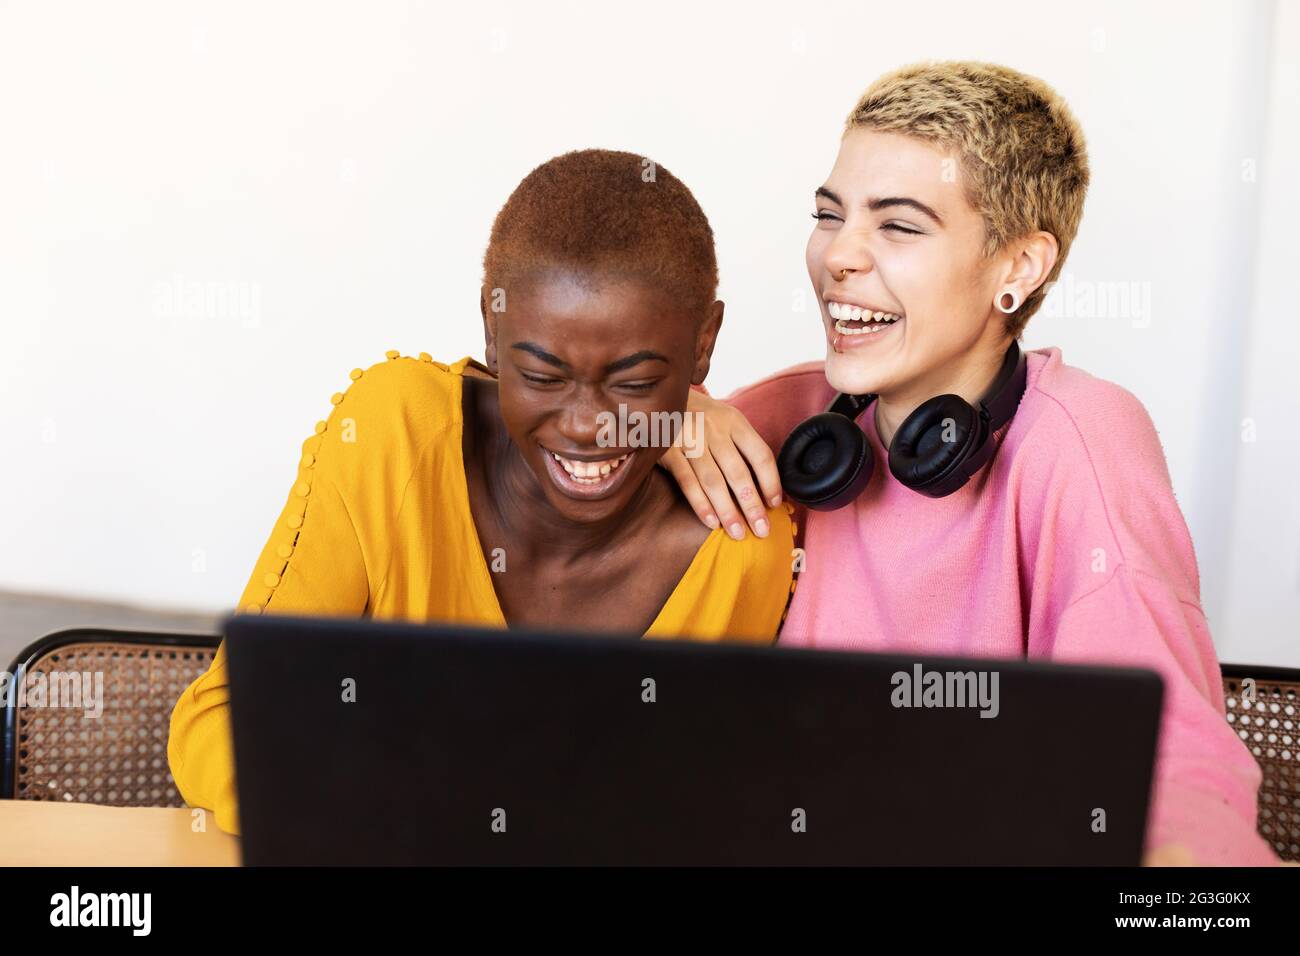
(842, 312)
(870, 329)
(589, 472)
(871, 322)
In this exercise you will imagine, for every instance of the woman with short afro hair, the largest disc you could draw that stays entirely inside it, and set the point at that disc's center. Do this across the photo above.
(495, 495)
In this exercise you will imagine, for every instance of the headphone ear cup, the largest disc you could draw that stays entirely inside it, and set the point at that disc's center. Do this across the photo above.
(826, 462)
(933, 441)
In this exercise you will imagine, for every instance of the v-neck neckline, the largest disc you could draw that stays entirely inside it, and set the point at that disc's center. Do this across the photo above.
(483, 572)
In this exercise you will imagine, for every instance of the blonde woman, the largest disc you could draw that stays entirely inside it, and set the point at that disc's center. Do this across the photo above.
(955, 197)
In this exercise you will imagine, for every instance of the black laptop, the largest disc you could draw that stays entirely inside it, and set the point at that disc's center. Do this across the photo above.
(364, 743)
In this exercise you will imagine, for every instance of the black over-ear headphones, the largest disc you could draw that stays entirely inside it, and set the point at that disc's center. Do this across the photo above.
(827, 460)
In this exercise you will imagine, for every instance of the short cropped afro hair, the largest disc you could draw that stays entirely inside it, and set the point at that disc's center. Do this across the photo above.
(609, 214)
(1020, 149)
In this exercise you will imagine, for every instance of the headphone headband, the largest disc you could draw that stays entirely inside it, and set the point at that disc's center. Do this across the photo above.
(850, 406)
(998, 405)
(1000, 402)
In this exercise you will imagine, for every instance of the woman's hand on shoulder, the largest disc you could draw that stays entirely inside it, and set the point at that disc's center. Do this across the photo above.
(723, 468)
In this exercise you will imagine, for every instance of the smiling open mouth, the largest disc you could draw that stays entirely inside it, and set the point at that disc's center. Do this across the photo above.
(580, 478)
(852, 320)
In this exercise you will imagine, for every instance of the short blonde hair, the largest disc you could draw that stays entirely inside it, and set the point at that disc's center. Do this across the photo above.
(1020, 149)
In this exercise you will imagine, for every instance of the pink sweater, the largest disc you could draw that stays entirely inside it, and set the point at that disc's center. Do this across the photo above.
(1069, 546)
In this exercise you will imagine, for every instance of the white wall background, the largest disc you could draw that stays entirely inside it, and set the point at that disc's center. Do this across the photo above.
(332, 170)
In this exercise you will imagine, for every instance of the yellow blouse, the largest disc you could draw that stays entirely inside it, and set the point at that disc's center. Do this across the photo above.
(378, 524)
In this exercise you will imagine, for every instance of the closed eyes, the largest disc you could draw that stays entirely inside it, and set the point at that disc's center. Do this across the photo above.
(823, 216)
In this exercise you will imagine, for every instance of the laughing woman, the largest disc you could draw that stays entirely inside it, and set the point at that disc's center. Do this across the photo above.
(492, 496)
(954, 199)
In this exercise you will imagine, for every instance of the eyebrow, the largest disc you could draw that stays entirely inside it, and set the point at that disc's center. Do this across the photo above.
(618, 365)
(884, 203)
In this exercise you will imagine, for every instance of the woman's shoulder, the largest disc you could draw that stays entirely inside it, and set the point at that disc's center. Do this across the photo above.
(719, 556)
(1067, 410)
(763, 558)
(802, 387)
(389, 412)
(736, 590)
(418, 383)
(1086, 451)
(404, 395)
(774, 405)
